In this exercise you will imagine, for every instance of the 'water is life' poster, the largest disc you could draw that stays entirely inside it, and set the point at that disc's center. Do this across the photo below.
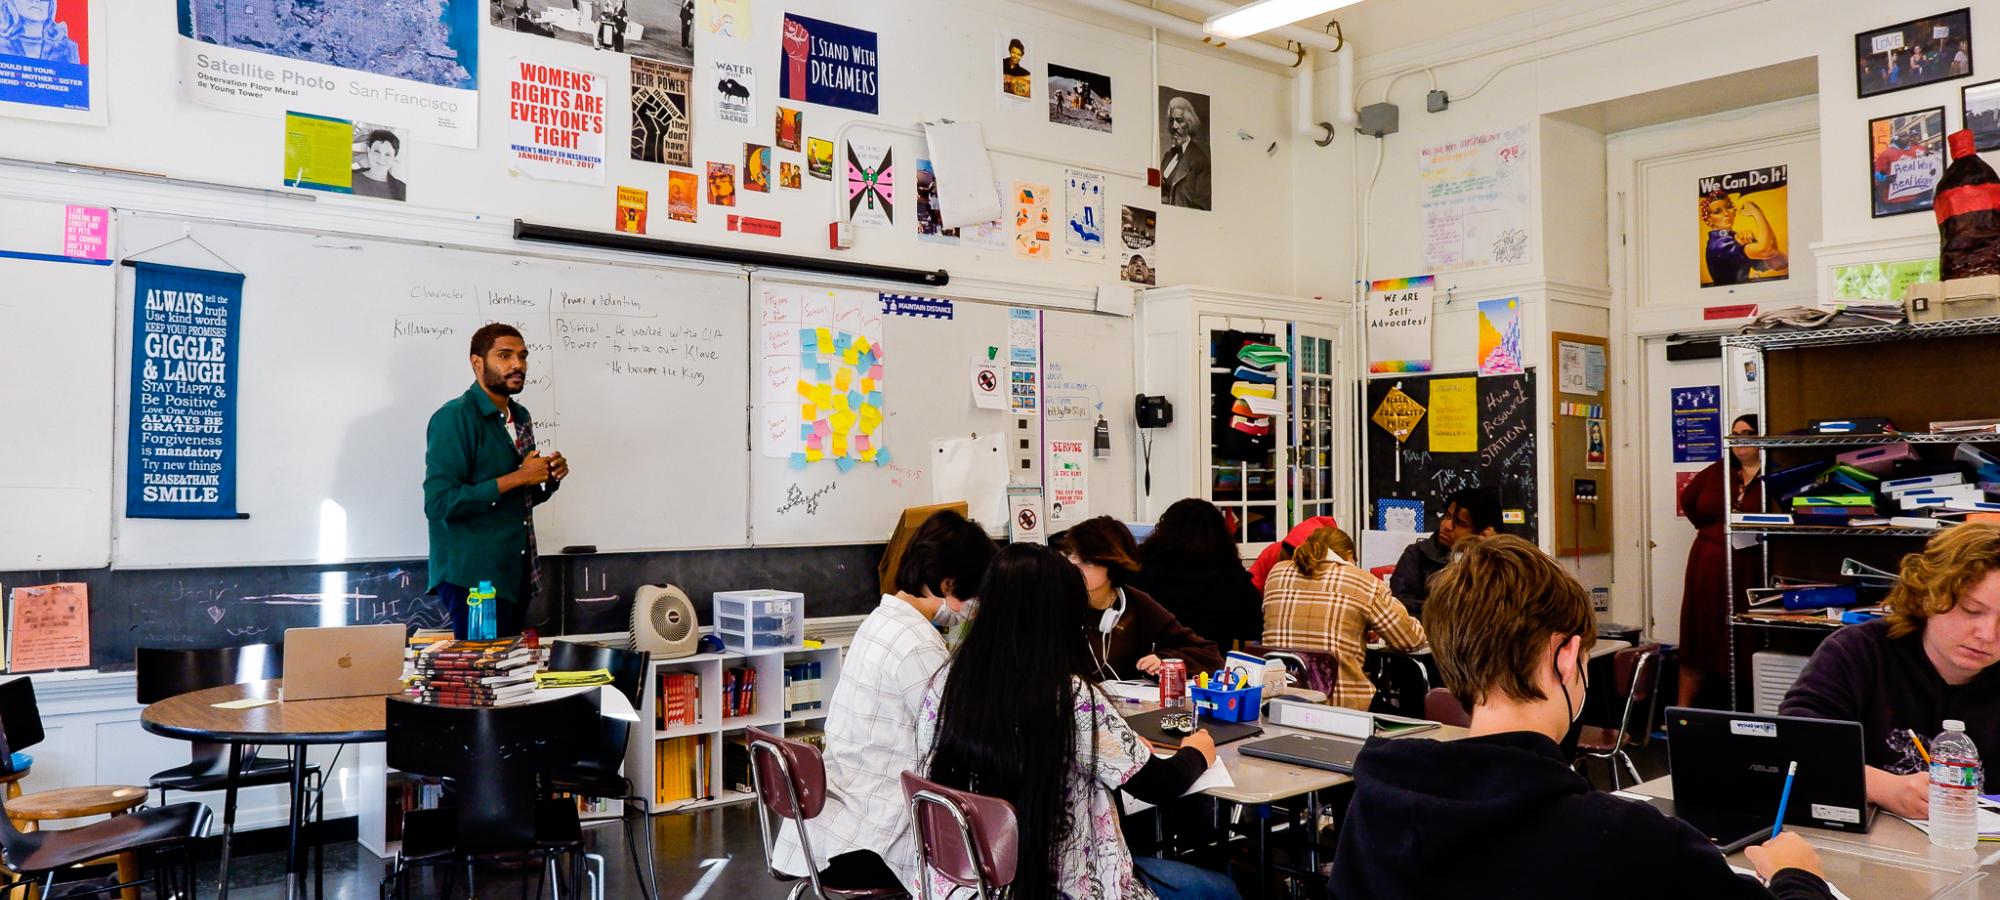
(181, 450)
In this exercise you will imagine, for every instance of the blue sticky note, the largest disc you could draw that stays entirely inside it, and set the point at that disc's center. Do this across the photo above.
(881, 456)
(805, 432)
(798, 461)
(808, 360)
(825, 373)
(845, 463)
(853, 399)
(808, 338)
(841, 341)
(875, 399)
(865, 361)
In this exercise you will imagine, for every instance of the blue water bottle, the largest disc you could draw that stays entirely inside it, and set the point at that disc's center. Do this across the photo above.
(480, 621)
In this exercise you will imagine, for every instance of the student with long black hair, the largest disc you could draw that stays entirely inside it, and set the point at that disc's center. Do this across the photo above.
(1189, 564)
(1019, 716)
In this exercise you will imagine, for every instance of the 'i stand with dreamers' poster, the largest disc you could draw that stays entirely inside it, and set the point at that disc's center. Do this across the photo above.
(181, 457)
(829, 64)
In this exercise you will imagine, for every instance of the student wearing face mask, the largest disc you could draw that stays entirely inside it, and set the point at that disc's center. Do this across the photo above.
(1130, 632)
(1511, 632)
(871, 724)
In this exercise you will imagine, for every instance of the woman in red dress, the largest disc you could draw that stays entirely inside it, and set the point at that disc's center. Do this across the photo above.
(1706, 596)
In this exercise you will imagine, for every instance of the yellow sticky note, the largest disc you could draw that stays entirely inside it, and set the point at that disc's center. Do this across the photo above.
(822, 395)
(825, 336)
(861, 345)
(842, 379)
(805, 390)
(842, 422)
(814, 456)
(867, 456)
(839, 444)
(808, 412)
(852, 357)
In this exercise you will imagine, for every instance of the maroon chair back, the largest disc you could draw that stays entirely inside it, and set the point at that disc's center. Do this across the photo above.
(976, 848)
(1625, 672)
(787, 769)
(1314, 670)
(1440, 706)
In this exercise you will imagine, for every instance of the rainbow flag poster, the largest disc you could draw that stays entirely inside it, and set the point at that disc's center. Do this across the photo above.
(1399, 325)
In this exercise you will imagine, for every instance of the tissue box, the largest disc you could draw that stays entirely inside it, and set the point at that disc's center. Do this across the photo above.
(1959, 298)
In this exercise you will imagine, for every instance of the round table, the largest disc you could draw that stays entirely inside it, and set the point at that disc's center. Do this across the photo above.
(296, 723)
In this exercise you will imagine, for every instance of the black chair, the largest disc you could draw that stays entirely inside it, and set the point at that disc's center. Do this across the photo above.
(171, 671)
(594, 773)
(166, 832)
(490, 758)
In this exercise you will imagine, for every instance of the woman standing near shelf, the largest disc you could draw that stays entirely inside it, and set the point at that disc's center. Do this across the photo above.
(1707, 597)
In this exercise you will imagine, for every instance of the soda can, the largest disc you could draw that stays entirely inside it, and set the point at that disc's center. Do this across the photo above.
(1173, 684)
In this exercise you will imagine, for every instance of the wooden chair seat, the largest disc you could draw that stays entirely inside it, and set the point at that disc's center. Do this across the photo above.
(74, 803)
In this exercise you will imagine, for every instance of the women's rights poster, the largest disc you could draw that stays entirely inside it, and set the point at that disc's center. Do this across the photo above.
(1743, 226)
(181, 454)
(46, 56)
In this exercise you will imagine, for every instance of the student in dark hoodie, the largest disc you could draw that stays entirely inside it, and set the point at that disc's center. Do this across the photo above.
(1500, 813)
(1468, 512)
(1189, 564)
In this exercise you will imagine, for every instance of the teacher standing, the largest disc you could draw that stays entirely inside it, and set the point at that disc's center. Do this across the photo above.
(483, 479)
(1707, 595)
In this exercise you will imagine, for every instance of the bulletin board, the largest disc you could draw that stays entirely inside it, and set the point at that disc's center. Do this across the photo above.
(1469, 432)
(1582, 430)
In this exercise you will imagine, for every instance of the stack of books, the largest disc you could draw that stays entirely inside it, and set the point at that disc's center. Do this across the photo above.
(681, 770)
(804, 689)
(739, 692)
(475, 673)
(680, 700)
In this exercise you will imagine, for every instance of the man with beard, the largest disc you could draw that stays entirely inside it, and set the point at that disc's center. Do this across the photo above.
(483, 479)
(1184, 164)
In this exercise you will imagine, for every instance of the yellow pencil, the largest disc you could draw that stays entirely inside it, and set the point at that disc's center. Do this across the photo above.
(1920, 749)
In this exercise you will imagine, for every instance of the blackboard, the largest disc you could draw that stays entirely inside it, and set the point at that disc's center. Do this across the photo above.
(1504, 461)
(223, 606)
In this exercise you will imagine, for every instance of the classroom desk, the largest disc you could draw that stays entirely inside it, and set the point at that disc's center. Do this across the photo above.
(1893, 860)
(291, 723)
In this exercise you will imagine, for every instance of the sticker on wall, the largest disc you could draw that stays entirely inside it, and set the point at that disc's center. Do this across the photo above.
(871, 183)
(756, 226)
(917, 306)
(683, 195)
(788, 175)
(1405, 516)
(662, 128)
(630, 215)
(791, 124)
(735, 91)
(757, 168)
(819, 158)
(721, 184)
(1083, 238)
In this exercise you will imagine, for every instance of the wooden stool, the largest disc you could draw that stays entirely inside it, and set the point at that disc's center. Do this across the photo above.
(28, 812)
(13, 782)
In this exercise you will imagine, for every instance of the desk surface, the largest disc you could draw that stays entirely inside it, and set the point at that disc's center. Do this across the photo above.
(341, 720)
(1894, 859)
(1261, 781)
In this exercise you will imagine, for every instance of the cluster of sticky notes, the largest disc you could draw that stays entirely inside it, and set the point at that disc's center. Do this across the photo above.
(840, 399)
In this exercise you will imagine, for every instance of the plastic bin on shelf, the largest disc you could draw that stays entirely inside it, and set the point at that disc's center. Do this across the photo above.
(760, 620)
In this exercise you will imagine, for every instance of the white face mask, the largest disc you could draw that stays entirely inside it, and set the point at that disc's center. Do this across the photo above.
(948, 618)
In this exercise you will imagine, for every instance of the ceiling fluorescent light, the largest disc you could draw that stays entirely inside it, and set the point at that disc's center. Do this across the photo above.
(1264, 15)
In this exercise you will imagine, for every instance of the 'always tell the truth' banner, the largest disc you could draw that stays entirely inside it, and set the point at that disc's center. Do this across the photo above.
(829, 64)
(181, 458)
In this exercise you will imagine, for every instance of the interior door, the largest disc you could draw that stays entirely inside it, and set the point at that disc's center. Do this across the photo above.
(1315, 408)
(1244, 473)
(1667, 531)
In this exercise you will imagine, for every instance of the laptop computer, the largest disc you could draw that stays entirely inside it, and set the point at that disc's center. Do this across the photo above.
(1728, 765)
(1316, 751)
(350, 661)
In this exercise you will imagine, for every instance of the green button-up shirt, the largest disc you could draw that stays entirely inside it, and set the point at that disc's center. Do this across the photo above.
(477, 534)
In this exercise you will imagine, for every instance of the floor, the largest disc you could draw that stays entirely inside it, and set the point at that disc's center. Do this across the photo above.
(712, 853)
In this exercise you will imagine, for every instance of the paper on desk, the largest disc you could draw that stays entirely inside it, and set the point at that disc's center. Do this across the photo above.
(1989, 821)
(245, 703)
(1131, 689)
(1217, 776)
(1838, 894)
(610, 703)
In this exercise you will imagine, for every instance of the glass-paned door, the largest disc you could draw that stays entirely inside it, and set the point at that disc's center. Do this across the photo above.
(1314, 413)
(1246, 431)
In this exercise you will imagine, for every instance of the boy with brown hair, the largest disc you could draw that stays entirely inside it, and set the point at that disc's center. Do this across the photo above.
(1500, 812)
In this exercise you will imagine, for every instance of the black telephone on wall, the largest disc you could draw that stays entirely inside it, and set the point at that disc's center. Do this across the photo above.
(1153, 411)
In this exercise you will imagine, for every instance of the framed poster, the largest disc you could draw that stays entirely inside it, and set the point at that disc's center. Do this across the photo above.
(1905, 159)
(1980, 106)
(1914, 53)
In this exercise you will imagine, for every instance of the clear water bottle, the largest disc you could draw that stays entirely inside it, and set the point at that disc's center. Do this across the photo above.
(1954, 789)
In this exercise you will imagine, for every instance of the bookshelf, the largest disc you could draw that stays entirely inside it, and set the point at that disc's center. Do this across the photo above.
(682, 766)
(1913, 374)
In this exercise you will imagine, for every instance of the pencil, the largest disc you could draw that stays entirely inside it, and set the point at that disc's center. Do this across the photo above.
(1785, 799)
(1914, 739)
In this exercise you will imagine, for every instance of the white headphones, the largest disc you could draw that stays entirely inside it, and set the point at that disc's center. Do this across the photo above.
(1109, 620)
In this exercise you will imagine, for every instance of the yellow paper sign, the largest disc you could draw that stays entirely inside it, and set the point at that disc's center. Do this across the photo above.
(1454, 415)
(1398, 414)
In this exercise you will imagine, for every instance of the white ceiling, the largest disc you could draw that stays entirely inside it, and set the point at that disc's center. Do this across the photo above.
(1378, 25)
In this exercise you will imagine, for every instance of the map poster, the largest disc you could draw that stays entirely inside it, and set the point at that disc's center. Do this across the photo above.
(414, 64)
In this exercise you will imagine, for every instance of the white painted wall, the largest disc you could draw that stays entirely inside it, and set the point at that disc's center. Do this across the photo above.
(938, 60)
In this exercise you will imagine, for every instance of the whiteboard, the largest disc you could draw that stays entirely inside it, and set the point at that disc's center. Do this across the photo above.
(637, 374)
(55, 396)
(927, 396)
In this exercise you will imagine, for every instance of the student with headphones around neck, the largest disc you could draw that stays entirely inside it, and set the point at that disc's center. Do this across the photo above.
(1134, 632)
